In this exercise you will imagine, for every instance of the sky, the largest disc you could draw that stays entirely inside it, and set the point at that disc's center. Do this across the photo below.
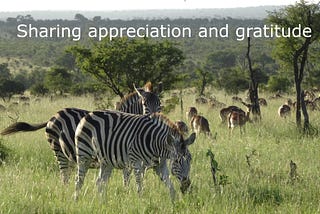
(105, 5)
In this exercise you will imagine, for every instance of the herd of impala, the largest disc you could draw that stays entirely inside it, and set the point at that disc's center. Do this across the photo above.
(234, 116)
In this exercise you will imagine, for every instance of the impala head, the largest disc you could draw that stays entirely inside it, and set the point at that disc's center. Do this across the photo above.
(181, 160)
(191, 112)
(150, 101)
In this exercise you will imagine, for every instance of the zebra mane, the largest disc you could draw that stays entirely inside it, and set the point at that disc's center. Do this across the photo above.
(168, 122)
(129, 97)
(147, 87)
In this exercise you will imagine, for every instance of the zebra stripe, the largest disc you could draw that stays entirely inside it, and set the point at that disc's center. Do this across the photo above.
(60, 129)
(140, 102)
(120, 140)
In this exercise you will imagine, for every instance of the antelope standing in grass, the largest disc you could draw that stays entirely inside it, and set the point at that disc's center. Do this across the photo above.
(238, 117)
(284, 111)
(191, 112)
(226, 111)
(200, 124)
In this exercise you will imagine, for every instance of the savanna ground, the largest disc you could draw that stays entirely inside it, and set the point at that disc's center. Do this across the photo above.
(30, 180)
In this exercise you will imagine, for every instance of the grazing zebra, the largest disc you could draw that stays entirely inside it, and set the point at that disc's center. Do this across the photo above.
(60, 129)
(134, 142)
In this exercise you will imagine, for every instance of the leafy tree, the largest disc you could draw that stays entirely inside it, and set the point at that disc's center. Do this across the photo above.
(292, 52)
(4, 71)
(38, 89)
(203, 78)
(278, 83)
(122, 62)
(10, 87)
(80, 17)
(58, 80)
(233, 81)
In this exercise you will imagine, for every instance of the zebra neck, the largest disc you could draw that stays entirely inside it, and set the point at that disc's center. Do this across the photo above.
(131, 104)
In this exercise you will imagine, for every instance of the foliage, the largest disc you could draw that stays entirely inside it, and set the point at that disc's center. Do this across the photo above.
(58, 80)
(278, 83)
(202, 80)
(4, 71)
(233, 81)
(302, 13)
(39, 89)
(214, 54)
(122, 62)
(293, 51)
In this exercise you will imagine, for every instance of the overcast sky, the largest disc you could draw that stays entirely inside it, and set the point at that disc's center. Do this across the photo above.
(102, 5)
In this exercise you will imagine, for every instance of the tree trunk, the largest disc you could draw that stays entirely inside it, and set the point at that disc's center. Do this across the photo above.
(298, 77)
(306, 124)
(253, 88)
(298, 92)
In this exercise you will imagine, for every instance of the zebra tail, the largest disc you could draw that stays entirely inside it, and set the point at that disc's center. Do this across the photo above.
(22, 126)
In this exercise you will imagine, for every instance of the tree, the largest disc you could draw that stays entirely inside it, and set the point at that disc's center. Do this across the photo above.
(203, 78)
(8, 86)
(58, 80)
(278, 83)
(233, 80)
(253, 86)
(122, 62)
(80, 17)
(292, 52)
(4, 71)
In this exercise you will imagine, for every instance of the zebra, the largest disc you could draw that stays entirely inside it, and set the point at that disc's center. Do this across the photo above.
(134, 142)
(60, 129)
(142, 101)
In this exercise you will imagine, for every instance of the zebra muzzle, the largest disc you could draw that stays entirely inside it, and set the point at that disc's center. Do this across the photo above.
(185, 184)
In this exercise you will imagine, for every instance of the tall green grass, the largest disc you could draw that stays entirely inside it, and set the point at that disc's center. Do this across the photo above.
(30, 180)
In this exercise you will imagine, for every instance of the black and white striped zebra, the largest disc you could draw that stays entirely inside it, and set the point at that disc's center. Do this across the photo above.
(126, 141)
(142, 101)
(60, 129)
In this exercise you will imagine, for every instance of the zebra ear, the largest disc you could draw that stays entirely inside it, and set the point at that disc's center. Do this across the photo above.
(190, 139)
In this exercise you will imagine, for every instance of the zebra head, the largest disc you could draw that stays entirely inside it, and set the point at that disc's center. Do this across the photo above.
(149, 100)
(180, 163)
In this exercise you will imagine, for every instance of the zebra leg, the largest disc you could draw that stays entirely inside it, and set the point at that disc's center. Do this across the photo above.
(64, 167)
(163, 172)
(138, 172)
(62, 160)
(126, 176)
(82, 168)
(104, 175)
